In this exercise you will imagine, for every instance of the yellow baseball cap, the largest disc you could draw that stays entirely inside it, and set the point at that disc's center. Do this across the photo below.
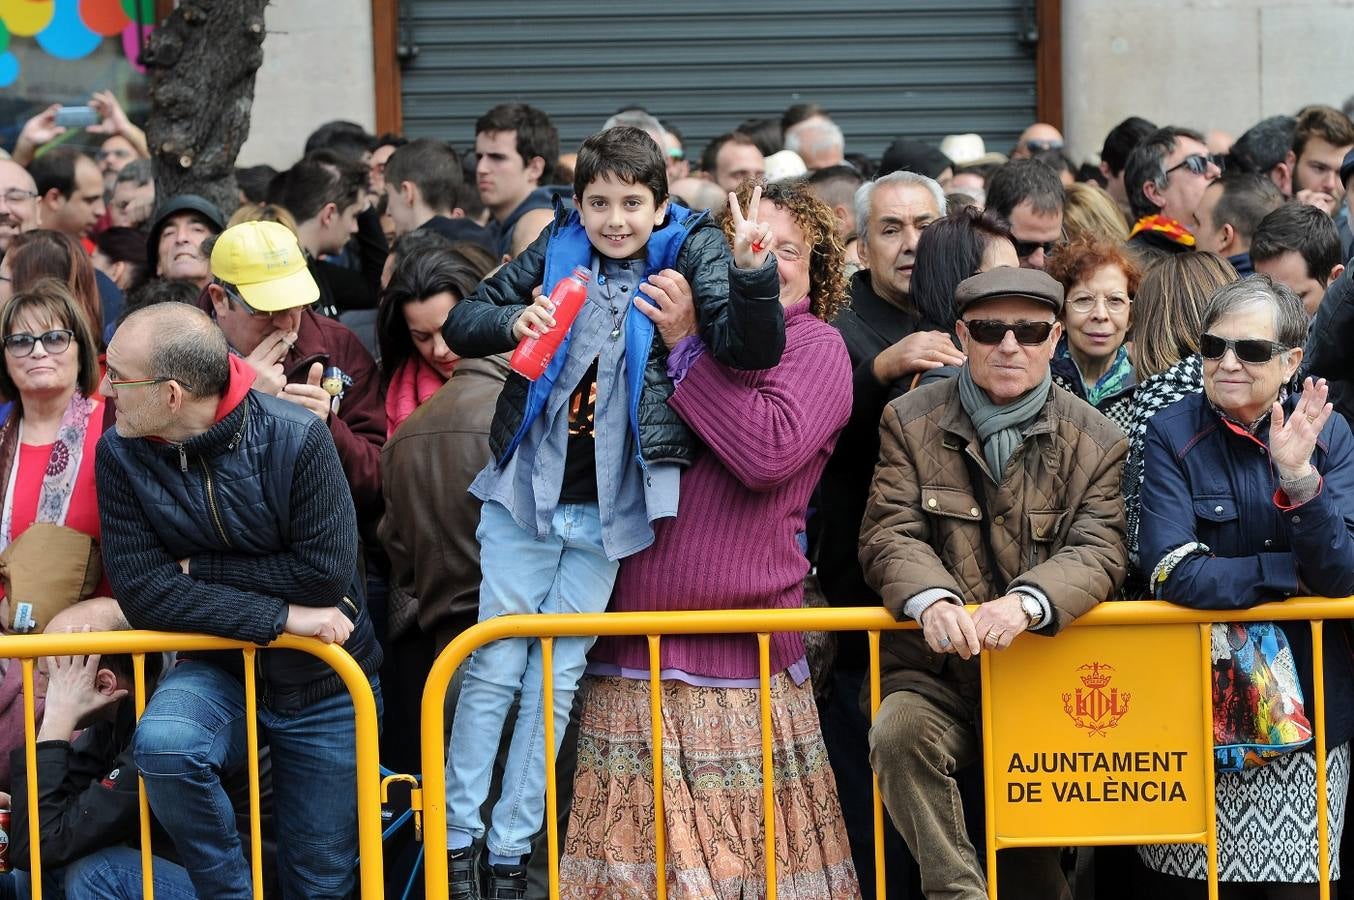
(264, 261)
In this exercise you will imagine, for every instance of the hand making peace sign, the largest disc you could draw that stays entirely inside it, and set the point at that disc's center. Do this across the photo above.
(752, 240)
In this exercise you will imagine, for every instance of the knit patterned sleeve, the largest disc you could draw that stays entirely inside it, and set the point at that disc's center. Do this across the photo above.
(765, 426)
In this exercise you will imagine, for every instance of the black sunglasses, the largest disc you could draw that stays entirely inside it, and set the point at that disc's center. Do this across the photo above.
(993, 331)
(1252, 350)
(1025, 249)
(1198, 163)
(54, 342)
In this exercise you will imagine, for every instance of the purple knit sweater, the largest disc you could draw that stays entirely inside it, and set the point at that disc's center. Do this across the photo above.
(768, 435)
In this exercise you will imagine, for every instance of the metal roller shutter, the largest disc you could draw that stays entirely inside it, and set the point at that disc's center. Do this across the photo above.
(883, 68)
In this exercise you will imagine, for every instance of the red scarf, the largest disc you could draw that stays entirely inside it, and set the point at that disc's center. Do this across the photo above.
(413, 382)
(1166, 227)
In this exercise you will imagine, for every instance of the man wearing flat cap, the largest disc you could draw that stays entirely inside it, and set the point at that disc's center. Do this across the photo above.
(996, 490)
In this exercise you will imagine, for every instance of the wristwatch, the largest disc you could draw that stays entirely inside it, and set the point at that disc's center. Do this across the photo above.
(1031, 607)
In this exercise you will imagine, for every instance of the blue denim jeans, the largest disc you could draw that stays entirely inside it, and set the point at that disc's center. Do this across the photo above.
(566, 572)
(115, 874)
(194, 727)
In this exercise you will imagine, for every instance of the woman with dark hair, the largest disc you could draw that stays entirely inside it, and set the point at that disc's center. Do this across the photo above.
(120, 253)
(415, 360)
(733, 545)
(40, 254)
(1100, 280)
(952, 248)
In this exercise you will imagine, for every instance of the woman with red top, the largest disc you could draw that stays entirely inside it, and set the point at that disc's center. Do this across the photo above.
(426, 283)
(51, 375)
(733, 545)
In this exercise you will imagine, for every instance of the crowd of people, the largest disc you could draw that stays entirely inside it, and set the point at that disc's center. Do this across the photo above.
(986, 391)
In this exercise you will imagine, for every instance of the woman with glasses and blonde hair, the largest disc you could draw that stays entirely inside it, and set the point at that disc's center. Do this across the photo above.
(1100, 280)
(49, 516)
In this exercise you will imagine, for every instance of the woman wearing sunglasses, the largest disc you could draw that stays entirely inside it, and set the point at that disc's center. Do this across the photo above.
(1100, 279)
(50, 374)
(1248, 498)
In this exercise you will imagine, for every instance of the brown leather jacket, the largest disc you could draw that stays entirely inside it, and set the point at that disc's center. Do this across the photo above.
(1056, 523)
(430, 521)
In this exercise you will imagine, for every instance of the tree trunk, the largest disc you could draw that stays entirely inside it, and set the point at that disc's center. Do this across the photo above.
(202, 62)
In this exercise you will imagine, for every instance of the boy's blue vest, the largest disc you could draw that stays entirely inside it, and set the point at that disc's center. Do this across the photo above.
(569, 248)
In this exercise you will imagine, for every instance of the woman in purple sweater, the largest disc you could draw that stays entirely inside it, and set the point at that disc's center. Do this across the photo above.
(733, 545)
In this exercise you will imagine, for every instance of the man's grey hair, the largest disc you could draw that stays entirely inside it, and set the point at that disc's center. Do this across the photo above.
(1290, 318)
(140, 172)
(636, 118)
(865, 194)
(814, 136)
(186, 346)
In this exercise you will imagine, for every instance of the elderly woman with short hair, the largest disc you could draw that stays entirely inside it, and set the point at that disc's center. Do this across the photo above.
(1248, 498)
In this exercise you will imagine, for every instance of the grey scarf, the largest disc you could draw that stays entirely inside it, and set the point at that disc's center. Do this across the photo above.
(1000, 428)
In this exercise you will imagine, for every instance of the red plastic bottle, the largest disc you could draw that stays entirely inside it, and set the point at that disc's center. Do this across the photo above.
(534, 354)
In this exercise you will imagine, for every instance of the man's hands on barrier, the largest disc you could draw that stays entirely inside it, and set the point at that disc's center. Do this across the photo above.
(266, 361)
(310, 394)
(74, 697)
(920, 351)
(948, 628)
(328, 623)
(997, 622)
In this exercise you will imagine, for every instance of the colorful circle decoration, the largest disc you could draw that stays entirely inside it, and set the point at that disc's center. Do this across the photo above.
(72, 29)
(26, 17)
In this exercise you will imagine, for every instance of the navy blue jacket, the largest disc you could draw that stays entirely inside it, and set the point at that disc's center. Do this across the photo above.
(1194, 461)
(260, 507)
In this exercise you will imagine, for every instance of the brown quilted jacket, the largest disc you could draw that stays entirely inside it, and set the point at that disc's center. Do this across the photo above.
(1056, 523)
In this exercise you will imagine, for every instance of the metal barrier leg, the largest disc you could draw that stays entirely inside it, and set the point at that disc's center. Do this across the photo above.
(879, 868)
(147, 851)
(1210, 774)
(251, 725)
(660, 831)
(768, 767)
(1319, 711)
(31, 761)
(551, 800)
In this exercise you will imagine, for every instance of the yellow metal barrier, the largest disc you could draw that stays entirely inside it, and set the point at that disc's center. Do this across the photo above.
(28, 648)
(1192, 726)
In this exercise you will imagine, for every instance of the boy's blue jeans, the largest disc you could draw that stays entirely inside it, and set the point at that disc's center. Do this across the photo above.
(566, 572)
(194, 727)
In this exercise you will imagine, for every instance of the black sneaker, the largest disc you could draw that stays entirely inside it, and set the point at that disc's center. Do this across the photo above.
(506, 883)
(463, 881)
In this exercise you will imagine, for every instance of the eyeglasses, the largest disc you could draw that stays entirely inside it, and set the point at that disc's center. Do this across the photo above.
(1114, 304)
(16, 196)
(140, 382)
(235, 296)
(1198, 164)
(1025, 249)
(113, 154)
(1248, 350)
(993, 331)
(1042, 146)
(54, 342)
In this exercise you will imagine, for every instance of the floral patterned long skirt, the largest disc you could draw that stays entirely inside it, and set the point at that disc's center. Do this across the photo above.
(712, 796)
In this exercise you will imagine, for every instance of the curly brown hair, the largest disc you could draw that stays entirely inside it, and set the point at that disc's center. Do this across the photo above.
(827, 256)
(1081, 259)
